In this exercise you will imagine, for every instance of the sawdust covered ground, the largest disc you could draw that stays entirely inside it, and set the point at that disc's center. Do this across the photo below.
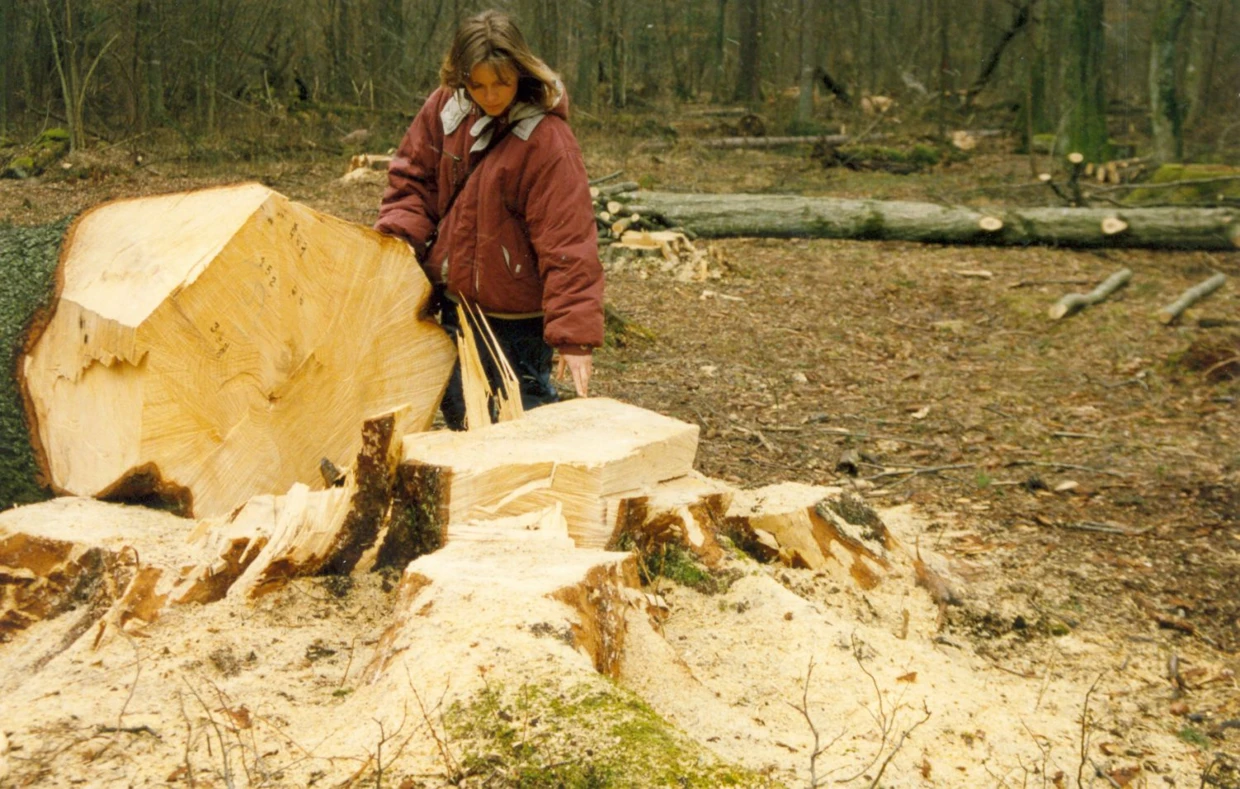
(1088, 497)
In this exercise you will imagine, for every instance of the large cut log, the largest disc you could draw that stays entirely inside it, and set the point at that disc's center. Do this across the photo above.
(577, 453)
(786, 216)
(211, 346)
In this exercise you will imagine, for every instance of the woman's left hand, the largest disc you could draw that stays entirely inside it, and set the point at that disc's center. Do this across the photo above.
(579, 365)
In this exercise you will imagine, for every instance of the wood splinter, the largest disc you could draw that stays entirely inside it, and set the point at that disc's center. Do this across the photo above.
(1075, 302)
(1171, 313)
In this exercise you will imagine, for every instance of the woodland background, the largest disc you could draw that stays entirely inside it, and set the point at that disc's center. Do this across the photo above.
(257, 76)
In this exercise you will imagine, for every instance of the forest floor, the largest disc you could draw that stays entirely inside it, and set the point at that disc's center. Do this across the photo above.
(1081, 476)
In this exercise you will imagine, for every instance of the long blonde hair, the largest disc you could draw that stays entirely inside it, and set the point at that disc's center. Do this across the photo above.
(493, 39)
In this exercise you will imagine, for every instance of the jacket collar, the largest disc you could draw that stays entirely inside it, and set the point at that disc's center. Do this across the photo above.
(524, 116)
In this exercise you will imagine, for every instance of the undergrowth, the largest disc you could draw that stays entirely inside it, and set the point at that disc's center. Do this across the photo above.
(586, 737)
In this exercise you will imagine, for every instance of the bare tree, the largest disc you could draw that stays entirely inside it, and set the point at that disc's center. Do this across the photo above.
(1166, 111)
(748, 87)
(808, 60)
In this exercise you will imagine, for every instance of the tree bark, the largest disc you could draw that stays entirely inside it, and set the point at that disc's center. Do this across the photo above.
(207, 347)
(780, 216)
(28, 257)
(1166, 111)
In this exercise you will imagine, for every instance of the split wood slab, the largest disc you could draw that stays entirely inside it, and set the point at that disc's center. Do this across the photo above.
(578, 453)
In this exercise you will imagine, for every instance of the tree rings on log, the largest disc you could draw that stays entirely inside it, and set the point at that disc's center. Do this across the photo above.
(220, 343)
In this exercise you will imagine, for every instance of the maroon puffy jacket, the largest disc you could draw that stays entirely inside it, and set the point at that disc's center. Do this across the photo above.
(520, 238)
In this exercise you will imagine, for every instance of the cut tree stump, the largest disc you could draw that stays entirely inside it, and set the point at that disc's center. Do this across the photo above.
(101, 562)
(812, 527)
(578, 453)
(518, 573)
(688, 511)
(208, 347)
(786, 216)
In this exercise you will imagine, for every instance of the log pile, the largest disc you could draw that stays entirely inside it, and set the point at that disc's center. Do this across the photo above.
(630, 232)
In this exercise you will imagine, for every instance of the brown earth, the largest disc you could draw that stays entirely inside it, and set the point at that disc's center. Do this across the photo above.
(1083, 476)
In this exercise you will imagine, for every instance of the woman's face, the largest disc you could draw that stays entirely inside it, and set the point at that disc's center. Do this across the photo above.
(492, 89)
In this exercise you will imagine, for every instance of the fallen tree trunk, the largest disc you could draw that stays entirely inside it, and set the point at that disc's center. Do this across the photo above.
(203, 348)
(786, 216)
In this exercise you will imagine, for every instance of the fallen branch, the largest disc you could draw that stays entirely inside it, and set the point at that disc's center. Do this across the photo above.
(1172, 312)
(1075, 302)
(606, 178)
(914, 471)
(1103, 528)
(1072, 466)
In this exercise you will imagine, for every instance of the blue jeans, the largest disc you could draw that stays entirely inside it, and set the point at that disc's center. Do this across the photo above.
(521, 341)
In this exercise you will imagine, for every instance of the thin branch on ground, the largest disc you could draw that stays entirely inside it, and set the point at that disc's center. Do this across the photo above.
(1084, 746)
(916, 470)
(819, 748)
(451, 767)
(1070, 466)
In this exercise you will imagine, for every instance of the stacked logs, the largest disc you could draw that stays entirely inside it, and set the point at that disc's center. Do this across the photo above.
(616, 211)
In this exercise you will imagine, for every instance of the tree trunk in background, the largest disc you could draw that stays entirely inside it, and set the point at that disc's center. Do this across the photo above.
(809, 57)
(586, 90)
(721, 59)
(6, 36)
(1203, 54)
(1166, 112)
(944, 82)
(338, 46)
(141, 64)
(1084, 127)
(748, 87)
(617, 53)
(1020, 18)
(1036, 99)
(391, 46)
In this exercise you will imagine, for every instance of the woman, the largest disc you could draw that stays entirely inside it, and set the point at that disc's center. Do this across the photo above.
(489, 188)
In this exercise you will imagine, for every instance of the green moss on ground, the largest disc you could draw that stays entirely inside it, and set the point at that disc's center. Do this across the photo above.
(28, 259)
(34, 158)
(592, 736)
(1201, 186)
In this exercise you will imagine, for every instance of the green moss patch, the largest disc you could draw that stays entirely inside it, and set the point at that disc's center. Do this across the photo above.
(36, 157)
(592, 736)
(1194, 184)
